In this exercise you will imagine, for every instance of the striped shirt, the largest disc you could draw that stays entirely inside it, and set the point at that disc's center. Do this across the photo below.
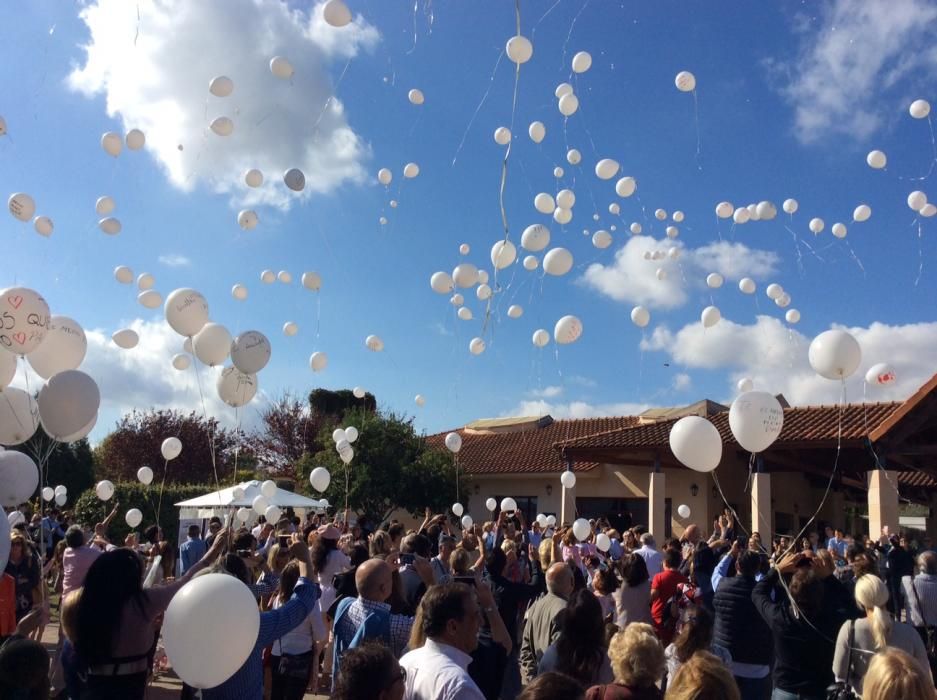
(350, 622)
(248, 681)
(925, 585)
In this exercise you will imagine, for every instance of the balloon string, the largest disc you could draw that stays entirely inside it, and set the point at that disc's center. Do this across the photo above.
(211, 426)
(920, 251)
(699, 137)
(477, 109)
(504, 171)
(162, 486)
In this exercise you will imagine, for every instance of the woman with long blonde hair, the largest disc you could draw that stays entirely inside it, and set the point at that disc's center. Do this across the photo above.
(873, 633)
(894, 675)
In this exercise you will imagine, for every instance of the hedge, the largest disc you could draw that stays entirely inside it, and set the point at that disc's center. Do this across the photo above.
(89, 509)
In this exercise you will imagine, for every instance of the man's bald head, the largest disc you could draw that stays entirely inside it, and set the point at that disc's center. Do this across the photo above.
(374, 580)
(560, 580)
(692, 534)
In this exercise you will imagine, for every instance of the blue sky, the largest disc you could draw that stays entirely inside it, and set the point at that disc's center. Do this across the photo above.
(788, 106)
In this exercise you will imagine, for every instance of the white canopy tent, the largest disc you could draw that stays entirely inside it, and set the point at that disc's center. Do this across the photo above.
(219, 503)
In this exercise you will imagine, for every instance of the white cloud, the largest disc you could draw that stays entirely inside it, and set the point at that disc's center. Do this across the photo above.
(174, 260)
(547, 392)
(633, 279)
(154, 71)
(775, 357)
(143, 378)
(575, 409)
(681, 382)
(857, 51)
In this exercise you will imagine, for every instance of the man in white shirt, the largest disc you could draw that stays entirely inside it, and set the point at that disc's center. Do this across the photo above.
(648, 552)
(438, 669)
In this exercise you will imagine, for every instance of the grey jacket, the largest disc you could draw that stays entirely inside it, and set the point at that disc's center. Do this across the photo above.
(540, 631)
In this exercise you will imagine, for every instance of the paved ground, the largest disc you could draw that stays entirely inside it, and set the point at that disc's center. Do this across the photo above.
(166, 687)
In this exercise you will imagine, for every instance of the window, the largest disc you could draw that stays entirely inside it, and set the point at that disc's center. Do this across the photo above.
(622, 513)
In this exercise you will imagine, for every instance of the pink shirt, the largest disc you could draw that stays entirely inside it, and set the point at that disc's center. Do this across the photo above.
(75, 564)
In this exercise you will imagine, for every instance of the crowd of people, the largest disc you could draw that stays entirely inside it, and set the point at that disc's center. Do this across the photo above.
(505, 609)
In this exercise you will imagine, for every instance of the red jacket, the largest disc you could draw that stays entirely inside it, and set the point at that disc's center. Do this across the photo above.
(7, 605)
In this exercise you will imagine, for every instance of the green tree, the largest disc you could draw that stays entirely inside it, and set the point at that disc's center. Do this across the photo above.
(393, 468)
(71, 465)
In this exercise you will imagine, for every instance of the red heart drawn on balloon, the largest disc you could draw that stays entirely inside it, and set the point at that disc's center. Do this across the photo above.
(15, 301)
(19, 338)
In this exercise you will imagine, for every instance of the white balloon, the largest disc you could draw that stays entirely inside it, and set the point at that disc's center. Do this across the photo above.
(464, 249)
(710, 316)
(351, 433)
(465, 275)
(557, 261)
(614, 208)
(22, 206)
(508, 504)
(318, 361)
(7, 369)
(3, 131)
(457, 509)
(181, 362)
(239, 292)
(269, 489)
(540, 338)
(411, 170)
(602, 541)
(839, 230)
(221, 86)
(68, 402)
(320, 479)
(482, 277)
(568, 479)
(281, 68)
(491, 504)
(212, 344)
(133, 518)
(338, 435)
(126, 338)
(43, 226)
(145, 281)
(336, 13)
(290, 328)
(661, 273)
(235, 388)
(582, 61)
(110, 226)
(582, 529)
(47, 495)
(243, 514)
(347, 454)
(685, 81)
(917, 200)
(260, 504)
(464, 313)
(640, 316)
(502, 136)
(531, 262)
(250, 352)
(519, 49)
(928, 210)
(61, 490)
(186, 311)
(558, 172)
(26, 321)
(683, 510)
(63, 348)
(601, 239)
(483, 292)
(774, 291)
(104, 205)
(268, 277)
(567, 330)
(606, 169)
(112, 143)
(295, 179)
(145, 475)
(467, 522)
(565, 199)
(919, 109)
(862, 213)
(756, 419)
(792, 316)
(248, 219)
(223, 126)
(744, 385)
(747, 285)
(753, 213)
(385, 176)
(210, 628)
(568, 105)
(358, 392)
(503, 253)
(171, 448)
(285, 277)
(477, 346)
(123, 274)
(766, 210)
(136, 139)
(816, 225)
(19, 478)
(312, 281)
(741, 216)
(724, 210)
(151, 299)
(790, 206)
(544, 203)
(876, 159)
(696, 443)
(562, 216)
(880, 374)
(835, 354)
(635, 228)
(416, 96)
(714, 280)
(537, 131)
(104, 490)
(374, 343)
(515, 311)
(573, 156)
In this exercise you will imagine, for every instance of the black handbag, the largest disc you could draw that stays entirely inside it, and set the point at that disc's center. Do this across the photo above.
(929, 637)
(841, 690)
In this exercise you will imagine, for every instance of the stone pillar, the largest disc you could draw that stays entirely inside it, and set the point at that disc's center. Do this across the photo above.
(762, 511)
(655, 506)
(883, 502)
(567, 505)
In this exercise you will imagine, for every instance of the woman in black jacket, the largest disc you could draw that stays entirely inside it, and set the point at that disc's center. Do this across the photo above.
(803, 642)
